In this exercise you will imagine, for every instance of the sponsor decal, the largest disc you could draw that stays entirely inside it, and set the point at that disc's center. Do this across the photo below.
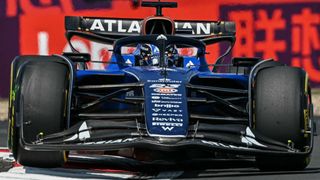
(164, 85)
(113, 141)
(165, 90)
(171, 110)
(114, 25)
(219, 144)
(249, 139)
(155, 97)
(164, 119)
(128, 62)
(134, 26)
(167, 106)
(162, 37)
(160, 94)
(166, 124)
(173, 102)
(307, 121)
(84, 132)
(166, 114)
(156, 109)
(130, 93)
(156, 68)
(171, 98)
(190, 64)
(198, 28)
(163, 80)
(167, 128)
(163, 102)
(83, 135)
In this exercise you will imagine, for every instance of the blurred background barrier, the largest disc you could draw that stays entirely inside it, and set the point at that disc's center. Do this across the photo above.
(3, 109)
(287, 30)
(316, 101)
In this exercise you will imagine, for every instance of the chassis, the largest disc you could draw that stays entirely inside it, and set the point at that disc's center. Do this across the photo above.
(251, 110)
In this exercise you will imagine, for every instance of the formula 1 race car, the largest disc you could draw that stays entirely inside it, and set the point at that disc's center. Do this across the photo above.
(158, 98)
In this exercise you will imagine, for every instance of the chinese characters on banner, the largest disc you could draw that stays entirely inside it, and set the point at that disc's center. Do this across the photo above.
(286, 32)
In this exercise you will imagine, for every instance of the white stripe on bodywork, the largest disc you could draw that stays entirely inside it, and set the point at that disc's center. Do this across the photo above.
(74, 137)
(84, 132)
(248, 138)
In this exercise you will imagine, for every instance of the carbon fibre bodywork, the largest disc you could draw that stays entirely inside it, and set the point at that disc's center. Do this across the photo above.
(205, 110)
(162, 107)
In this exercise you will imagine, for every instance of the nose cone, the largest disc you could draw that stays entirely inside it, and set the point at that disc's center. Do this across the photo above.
(166, 112)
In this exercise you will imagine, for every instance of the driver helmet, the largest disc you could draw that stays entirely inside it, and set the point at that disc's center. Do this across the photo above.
(149, 54)
(171, 53)
(146, 52)
(171, 50)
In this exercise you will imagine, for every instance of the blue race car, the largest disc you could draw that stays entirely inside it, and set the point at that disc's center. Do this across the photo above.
(158, 102)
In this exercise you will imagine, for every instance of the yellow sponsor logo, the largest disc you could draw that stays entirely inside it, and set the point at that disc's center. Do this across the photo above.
(11, 84)
(306, 84)
(306, 121)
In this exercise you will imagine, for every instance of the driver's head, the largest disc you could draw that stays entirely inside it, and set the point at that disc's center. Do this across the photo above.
(146, 52)
(172, 54)
(171, 51)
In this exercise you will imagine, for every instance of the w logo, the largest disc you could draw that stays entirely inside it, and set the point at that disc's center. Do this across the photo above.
(167, 128)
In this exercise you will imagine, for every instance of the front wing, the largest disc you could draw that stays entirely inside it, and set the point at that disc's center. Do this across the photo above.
(96, 135)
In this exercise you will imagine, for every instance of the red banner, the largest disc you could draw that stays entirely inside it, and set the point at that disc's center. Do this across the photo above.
(287, 30)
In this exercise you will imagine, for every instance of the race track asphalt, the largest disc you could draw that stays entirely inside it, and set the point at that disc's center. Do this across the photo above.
(237, 171)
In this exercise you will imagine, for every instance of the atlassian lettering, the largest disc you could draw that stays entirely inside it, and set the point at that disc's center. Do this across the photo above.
(134, 26)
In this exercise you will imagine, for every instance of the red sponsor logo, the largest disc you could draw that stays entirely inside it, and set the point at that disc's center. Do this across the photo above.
(165, 90)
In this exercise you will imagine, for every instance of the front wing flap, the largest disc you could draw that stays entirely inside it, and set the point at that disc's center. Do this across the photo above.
(97, 135)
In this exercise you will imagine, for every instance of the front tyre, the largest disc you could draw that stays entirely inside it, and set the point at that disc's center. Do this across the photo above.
(42, 105)
(282, 104)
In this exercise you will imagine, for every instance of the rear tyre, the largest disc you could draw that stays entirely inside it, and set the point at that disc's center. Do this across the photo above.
(282, 109)
(42, 104)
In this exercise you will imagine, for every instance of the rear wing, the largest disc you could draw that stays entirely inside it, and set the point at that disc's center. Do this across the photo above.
(115, 28)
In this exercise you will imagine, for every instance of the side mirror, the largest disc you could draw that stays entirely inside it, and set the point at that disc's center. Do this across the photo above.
(244, 61)
(78, 57)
